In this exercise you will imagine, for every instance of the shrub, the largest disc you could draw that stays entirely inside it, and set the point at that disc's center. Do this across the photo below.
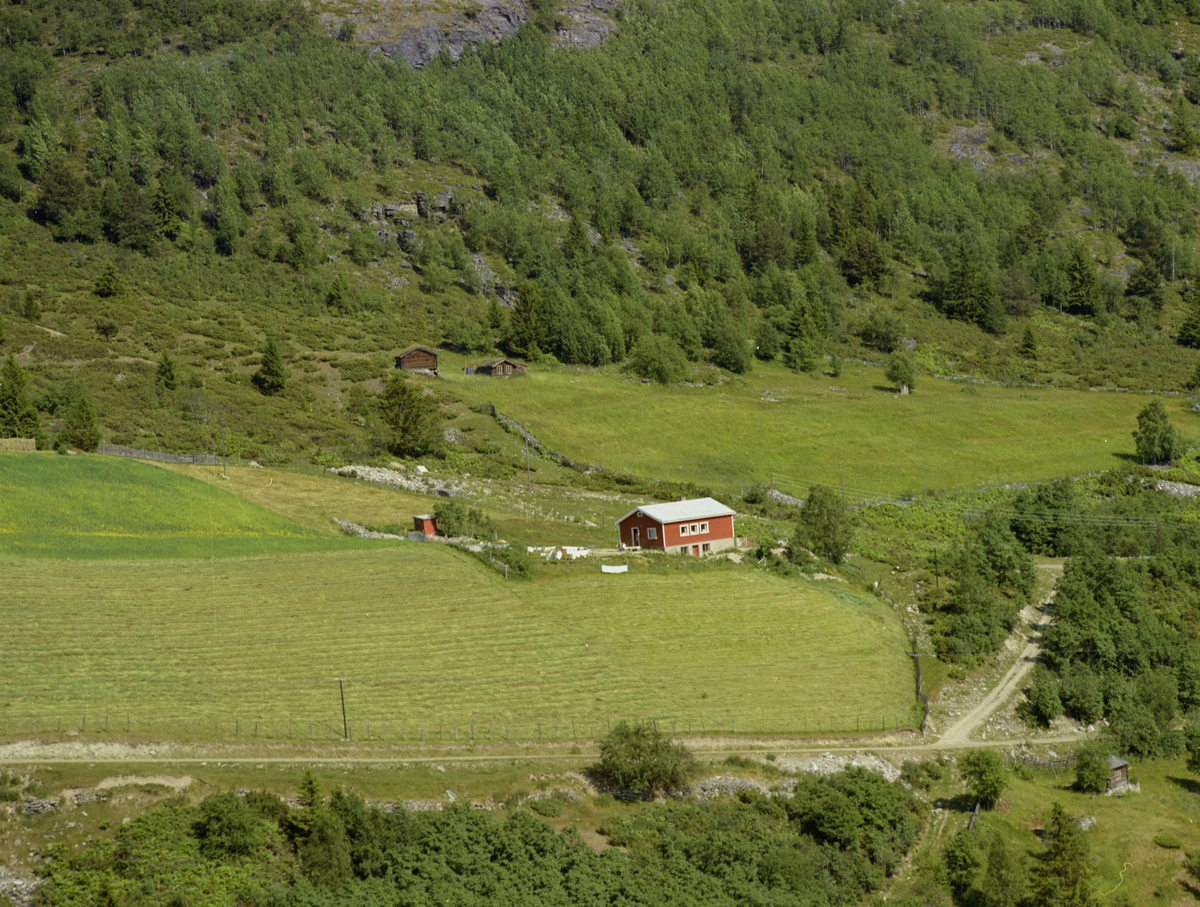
(1168, 841)
(550, 807)
(8, 795)
(268, 805)
(1091, 769)
(986, 774)
(901, 372)
(657, 358)
(641, 757)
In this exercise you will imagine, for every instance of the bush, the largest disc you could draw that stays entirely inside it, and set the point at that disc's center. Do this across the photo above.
(268, 805)
(824, 526)
(986, 774)
(1091, 769)
(901, 372)
(550, 807)
(1168, 841)
(8, 795)
(641, 757)
(657, 358)
(456, 521)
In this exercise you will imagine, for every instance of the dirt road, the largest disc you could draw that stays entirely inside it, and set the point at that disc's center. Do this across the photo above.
(958, 735)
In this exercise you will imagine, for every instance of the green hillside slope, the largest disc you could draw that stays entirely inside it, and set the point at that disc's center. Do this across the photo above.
(1002, 191)
(95, 507)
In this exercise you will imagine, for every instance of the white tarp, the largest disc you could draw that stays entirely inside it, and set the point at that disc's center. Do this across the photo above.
(604, 568)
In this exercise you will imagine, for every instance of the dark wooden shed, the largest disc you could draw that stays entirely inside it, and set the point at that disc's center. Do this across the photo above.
(1118, 773)
(497, 368)
(418, 359)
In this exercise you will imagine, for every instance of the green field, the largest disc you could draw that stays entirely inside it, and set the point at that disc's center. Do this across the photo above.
(97, 507)
(946, 435)
(427, 636)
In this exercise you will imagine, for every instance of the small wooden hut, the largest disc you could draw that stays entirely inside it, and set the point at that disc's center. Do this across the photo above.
(497, 368)
(418, 359)
(1118, 773)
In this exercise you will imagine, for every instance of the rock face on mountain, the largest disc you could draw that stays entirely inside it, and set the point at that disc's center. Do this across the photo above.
(418, 32)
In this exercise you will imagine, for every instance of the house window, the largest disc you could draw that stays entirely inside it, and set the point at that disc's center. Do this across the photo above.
(705, 548)
(695, 529)
(703, 528)
(651, 533)
(683, 549)
(508, 369)
(683, 529)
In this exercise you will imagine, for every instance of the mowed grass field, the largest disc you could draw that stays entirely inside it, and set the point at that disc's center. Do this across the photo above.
(946, 435)
(101, 507)
(429, 638)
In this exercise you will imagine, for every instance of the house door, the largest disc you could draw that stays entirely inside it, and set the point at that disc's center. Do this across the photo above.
(695, 551)
(637, 537)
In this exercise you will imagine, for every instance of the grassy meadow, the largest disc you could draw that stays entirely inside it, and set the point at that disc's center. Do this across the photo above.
(1124, 855)
(427, 636)
(946, 435)
(100, 507)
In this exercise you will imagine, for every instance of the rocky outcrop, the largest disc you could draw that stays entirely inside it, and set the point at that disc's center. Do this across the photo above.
(417, 32)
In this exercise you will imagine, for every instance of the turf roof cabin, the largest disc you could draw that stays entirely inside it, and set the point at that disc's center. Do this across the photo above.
(696, 527)
(418, 359)
(497, 368)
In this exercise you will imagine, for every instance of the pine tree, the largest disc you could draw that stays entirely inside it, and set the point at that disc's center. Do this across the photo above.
(166, 212)
(1063, 876)
(338, 297)
(1189, 331)
(805, 339)
(1028, 346)
(1006, 878)
(1194, 382)
(166, 372)
(1083, 286)
(412, 418)
(578, 245)
(109, 283)
(18, 417)
(271, 376)
(839, 217)
(525, 331)
(227, 213)
(81, 430)
(960, 296)
(495, 314)
(806, 240)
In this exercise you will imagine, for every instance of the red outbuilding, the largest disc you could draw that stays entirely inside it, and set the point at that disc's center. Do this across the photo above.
(695, 527)
(425, 523)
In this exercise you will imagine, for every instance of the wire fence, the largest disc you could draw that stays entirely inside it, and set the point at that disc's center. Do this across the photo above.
(141, 453)
(112, 723)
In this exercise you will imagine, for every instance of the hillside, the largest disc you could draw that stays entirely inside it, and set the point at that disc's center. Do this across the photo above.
(99, 508)
(1003, 192)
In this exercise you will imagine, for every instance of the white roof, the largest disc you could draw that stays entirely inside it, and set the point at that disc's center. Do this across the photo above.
(679, 511)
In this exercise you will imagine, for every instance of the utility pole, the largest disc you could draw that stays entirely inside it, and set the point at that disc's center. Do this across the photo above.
(345, 726)
(224, 471)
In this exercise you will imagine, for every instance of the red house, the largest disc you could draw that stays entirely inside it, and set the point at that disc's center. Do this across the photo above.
(694, 527)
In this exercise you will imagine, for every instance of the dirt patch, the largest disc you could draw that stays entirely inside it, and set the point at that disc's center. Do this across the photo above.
(26, 750)
(176, 783)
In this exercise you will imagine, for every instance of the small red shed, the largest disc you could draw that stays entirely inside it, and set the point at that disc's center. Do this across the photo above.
(425, 523)
(696, 527)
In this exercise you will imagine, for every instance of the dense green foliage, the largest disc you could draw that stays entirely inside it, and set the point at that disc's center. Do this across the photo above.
(835, 840)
